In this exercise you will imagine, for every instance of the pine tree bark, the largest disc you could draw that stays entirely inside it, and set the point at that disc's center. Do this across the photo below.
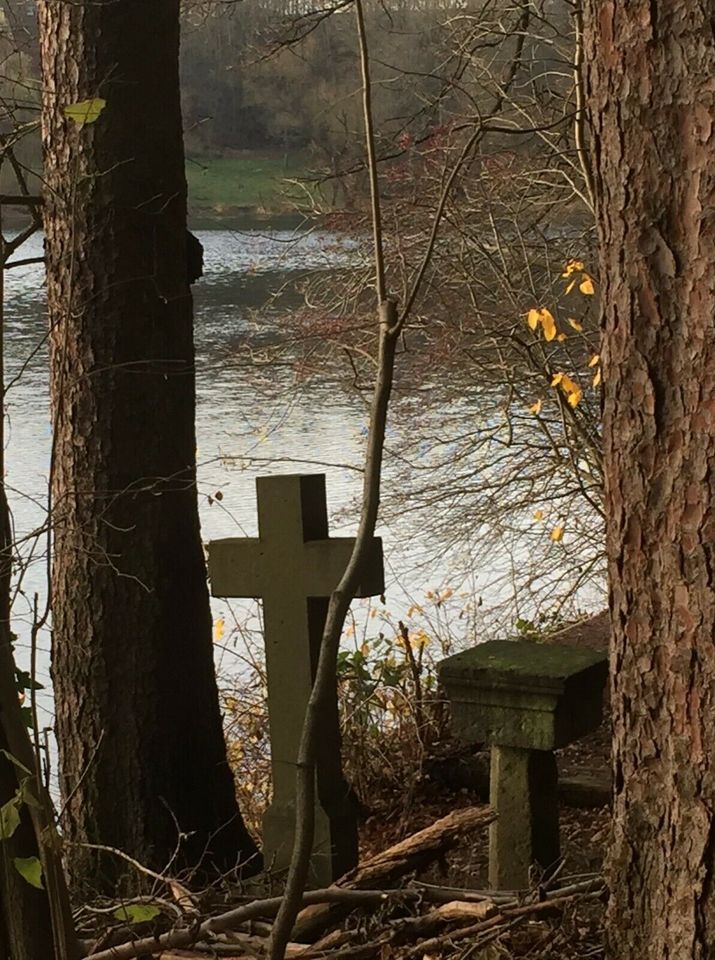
(651, 92)
(138, 720)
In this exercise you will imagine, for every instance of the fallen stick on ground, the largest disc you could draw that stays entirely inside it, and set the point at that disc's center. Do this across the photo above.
(177, 939)
(403, 857)
(498, 917)
(413, 853)
(504, 917)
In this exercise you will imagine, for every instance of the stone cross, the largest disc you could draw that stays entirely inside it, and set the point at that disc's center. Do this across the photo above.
(526, 700)
(293, 566)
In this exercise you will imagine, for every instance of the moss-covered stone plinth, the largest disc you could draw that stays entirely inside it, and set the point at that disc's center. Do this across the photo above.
(522, 694)
(526, 700)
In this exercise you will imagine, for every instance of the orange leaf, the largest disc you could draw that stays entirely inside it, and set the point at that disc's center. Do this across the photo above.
(573, 266)
(548, 323)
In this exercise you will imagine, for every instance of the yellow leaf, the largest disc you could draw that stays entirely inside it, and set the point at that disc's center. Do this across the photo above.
(578, 327)
(573, 266)
(219, 628)
(570, 287)
(596, 358)
(536, 407)
(548, 323)
(538, 514)
(586, 285)
(557, 534)
(574, 393)
(597, 378)
(561, 337)
(532, 318)
(575, 397)
(85, 111)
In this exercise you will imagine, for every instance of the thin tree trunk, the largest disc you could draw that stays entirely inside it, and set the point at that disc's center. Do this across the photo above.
(141, 745)
(26, 929)
(652, 95)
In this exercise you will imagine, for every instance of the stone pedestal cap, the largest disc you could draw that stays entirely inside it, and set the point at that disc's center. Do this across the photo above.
(518, 693)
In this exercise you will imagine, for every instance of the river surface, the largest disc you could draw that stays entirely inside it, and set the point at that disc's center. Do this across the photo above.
(250, 422)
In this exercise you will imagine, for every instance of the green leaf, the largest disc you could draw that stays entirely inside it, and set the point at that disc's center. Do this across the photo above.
(85, 111)
(137, 912)
(30, 869)
(26, 796)
(25, 681)
(9, 818)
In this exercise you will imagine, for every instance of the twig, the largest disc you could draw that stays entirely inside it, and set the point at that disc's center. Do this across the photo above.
(339, 603)
(380, 285)
(103, 848)
(231, 919)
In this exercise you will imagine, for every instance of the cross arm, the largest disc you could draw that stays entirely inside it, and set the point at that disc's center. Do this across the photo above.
(326, 561)
(236, 567)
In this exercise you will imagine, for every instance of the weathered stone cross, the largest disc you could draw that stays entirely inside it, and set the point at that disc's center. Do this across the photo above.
(294, 567)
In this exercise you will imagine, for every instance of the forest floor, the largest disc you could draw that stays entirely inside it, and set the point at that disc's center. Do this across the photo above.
(423, 869)
(572, 933)
(562, 919)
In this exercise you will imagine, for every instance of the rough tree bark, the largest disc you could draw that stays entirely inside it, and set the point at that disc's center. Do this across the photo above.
(651, 90)
(138, 719)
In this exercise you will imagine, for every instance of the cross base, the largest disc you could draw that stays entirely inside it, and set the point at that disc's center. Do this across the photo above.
(335, 844)
(524, 794)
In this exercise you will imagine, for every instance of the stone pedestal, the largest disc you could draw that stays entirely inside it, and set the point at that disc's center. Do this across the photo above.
(526, 700)
(523, 790)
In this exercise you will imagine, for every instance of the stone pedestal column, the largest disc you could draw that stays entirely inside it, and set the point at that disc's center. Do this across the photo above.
(523, 792)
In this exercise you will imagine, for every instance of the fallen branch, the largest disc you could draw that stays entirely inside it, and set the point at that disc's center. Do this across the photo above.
(385, 868)
(503, 918)
(507, 904)
(176, 939)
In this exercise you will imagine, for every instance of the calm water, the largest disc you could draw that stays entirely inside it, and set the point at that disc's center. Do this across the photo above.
(250, 422)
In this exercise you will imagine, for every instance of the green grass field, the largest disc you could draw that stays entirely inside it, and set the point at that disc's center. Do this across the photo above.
(225, 185)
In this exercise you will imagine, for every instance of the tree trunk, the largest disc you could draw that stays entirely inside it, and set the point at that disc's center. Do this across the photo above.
(25, 919)
(141, 745)
(650, 79)
(25, 916)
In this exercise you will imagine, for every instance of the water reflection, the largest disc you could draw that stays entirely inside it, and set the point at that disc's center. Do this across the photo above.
(248, 423)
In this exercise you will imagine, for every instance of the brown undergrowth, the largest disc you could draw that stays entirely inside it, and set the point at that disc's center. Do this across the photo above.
(393, 717)
(408, 773)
